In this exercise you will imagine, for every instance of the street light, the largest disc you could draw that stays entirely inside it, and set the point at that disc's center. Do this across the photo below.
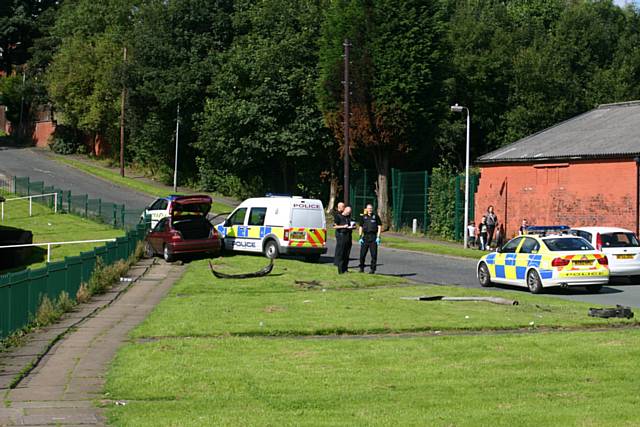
(458, 109)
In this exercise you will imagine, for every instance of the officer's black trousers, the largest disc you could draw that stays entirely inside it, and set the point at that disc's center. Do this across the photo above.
(369, 244)
(343, 250)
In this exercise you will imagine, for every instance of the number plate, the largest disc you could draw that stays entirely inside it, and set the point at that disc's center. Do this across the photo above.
(298, 235)
(580, 262)
(625, 256)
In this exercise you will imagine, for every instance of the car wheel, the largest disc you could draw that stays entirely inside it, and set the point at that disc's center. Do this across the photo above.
(168, 256)
(594, 288)
(271, 249)
(148, 250)
(484, 277)
(533, 282)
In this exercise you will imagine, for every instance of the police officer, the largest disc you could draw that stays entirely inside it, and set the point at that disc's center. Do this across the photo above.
(344, 227)
(338, 222)
(370, 229)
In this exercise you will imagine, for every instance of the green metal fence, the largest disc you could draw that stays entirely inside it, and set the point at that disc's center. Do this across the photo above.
(362, 190)
(22, 292)
(410, 198)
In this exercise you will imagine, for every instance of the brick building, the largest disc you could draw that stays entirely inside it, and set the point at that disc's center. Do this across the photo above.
(584, 171)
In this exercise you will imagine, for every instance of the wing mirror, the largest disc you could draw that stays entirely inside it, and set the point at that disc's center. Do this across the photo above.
(498, 250)
(227, 223)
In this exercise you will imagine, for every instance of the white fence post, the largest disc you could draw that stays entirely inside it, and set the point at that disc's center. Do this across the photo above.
(48, 252)
(2, 203)
(30, 204)
(414, 226)
(55, 202)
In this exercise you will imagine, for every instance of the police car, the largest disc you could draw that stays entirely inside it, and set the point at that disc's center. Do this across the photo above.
(162, 207)
(275, 225)
(545, 257)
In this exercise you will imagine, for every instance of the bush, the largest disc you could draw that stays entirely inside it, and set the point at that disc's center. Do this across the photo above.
(47, 312)
(66, 140)
(442, 202)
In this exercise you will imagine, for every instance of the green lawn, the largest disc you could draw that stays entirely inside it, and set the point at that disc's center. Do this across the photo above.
(48, 226)
(270, 351)
(434, 248)
(113, 175)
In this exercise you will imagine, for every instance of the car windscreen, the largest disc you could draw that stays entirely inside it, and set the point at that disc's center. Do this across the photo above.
(619, 240)
(562, 244)
(307, 218)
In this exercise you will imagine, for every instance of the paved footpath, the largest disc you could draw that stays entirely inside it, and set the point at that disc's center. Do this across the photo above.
(67, 381)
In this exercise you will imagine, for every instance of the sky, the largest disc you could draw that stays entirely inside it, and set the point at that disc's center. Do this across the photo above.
(625, 2)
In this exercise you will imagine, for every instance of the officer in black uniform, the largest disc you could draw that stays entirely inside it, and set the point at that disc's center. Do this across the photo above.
(370, 229)
(338, 220)
(344, 227)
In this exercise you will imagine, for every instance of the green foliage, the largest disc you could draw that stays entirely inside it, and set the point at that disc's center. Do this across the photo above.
(261, 112)
(66, 140)
(442, 202)
(47, 312)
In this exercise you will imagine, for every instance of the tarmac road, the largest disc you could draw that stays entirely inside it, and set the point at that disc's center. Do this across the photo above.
(419, 267)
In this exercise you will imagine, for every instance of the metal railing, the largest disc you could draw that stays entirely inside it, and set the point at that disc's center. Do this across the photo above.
(49, 244)
(55, 203)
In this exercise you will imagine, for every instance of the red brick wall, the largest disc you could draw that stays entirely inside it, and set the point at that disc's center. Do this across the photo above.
(579, 193)
(42, 132)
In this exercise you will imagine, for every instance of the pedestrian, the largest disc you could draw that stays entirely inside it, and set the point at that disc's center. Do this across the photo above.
(500, 234)
(369, 230)
(343, 239)
(471, 234)
(492, 223)
(338, 222)
(482, 234)
(523, 228)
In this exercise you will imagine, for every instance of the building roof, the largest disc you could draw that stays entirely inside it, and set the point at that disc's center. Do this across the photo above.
(609, 131)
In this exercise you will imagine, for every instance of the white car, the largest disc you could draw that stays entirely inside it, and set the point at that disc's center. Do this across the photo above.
(621, 247)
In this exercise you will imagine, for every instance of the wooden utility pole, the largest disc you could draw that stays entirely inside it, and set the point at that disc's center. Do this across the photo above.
(122, 101)
(347, 114)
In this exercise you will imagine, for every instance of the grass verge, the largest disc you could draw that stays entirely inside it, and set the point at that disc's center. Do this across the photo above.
(113, 176)
(48, 226)
(433, 248)
(230, 352)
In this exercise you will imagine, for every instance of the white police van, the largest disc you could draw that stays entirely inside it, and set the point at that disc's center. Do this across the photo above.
(275, 225)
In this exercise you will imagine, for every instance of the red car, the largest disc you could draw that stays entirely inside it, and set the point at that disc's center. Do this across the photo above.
(185, 231)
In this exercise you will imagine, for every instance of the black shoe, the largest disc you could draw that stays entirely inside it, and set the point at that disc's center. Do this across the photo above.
(372, 272)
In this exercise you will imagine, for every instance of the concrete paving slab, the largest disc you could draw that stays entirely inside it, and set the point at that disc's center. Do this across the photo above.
(62, 387)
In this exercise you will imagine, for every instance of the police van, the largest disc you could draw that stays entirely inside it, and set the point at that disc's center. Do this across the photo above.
(275, 225)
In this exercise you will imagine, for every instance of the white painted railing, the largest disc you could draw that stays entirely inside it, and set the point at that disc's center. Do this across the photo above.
(49, 244)
(55, 202)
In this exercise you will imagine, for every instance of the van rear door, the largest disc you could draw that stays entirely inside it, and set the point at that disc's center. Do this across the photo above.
(307, 224)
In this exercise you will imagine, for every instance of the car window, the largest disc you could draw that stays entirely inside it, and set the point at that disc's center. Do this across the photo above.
(510, 246)
(584, 234)
(529, 246)
(307, 218)
(257, 215)
(237, 218)
(161, 225)
(619, 240)
(155, 206)
(567, 244)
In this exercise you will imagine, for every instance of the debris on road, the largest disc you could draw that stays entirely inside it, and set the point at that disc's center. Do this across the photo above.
(260, 273)
(494, 300)
(618, 311)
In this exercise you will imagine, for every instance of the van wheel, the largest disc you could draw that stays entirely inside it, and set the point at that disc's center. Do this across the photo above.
(168, 256)
(271, 249)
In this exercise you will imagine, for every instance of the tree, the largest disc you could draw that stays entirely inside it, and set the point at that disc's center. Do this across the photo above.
(261, 129)
(397, 66)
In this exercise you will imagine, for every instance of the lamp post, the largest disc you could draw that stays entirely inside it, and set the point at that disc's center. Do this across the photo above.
(175, 165)
(458, 109)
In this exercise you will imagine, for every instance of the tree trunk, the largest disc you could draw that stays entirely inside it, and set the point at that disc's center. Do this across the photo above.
(382, 167)
(333, 192)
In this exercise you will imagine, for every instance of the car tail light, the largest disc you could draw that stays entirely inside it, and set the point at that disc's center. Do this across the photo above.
(559, 262)
(214, 234)
(175, 236)
(598, 242)
(603, 261)
(286, 234)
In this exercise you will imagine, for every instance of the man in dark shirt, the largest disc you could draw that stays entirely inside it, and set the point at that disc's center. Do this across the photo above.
(343, 237)
(370, 229)
(338, 220)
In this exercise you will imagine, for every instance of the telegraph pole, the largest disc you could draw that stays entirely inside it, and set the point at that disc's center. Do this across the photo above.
(175, 166)
(347, 114)
(122, 101)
